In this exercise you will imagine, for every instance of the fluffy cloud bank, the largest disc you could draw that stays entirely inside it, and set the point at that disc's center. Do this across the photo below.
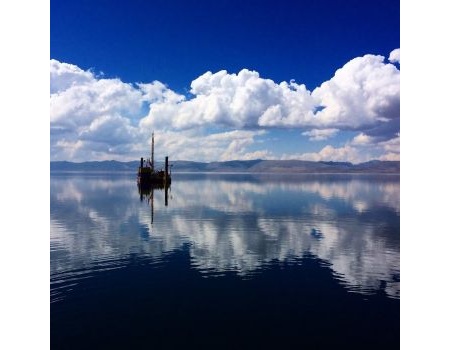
(240, 100)
(97, 118)
(361, 148)
(363, 94)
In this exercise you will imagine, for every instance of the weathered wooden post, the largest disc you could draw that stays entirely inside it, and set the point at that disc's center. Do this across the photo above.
(153, 151)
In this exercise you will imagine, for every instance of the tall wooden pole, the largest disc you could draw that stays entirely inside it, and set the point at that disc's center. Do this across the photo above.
(166, 170)
(153, 150)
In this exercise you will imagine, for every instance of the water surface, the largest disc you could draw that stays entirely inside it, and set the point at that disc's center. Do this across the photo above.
(225, 261)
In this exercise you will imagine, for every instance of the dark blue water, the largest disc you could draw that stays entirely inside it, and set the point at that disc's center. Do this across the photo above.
(225, 261)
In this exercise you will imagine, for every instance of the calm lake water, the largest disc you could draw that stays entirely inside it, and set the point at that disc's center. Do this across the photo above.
(227, 261)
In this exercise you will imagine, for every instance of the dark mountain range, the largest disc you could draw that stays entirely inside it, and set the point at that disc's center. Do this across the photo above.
(239, 166)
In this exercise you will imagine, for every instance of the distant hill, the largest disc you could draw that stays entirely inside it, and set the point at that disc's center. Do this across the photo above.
(240, 166)
(108, 165)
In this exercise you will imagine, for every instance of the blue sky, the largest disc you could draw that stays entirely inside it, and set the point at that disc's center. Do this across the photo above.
(221, 80)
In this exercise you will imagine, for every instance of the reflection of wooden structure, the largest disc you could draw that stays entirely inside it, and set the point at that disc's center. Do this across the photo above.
(147, 173)
(147, 191)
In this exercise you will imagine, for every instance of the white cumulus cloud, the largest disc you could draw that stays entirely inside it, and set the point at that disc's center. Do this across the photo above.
(320, 134)
(361, 148)
(339, 154)
(94, 118)
(363, 95)
(362, 140)
(394, 56)
(65, 75)
(235, 100)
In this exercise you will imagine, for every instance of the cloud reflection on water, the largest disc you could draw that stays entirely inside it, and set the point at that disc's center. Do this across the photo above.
(234, 224)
